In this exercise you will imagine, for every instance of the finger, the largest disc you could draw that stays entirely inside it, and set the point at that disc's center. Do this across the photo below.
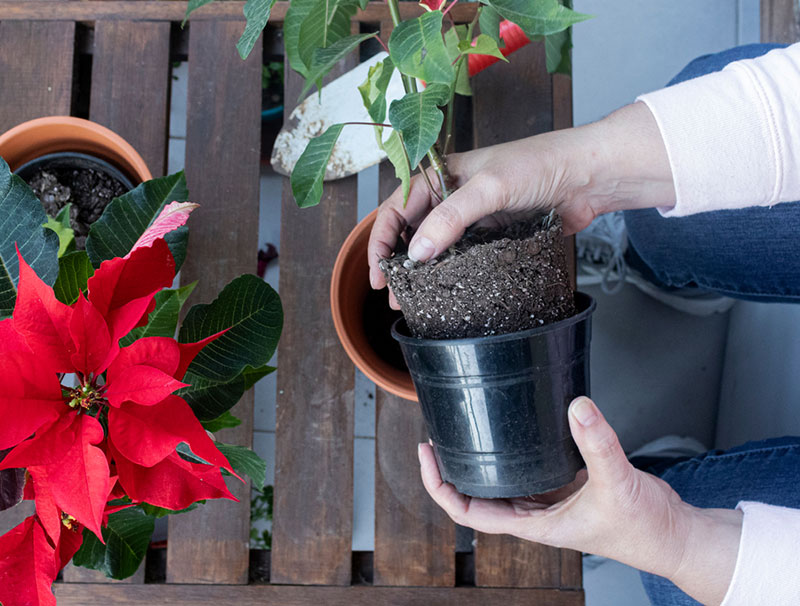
(445, 495)
(446, 223)
(493, 516)
(598, 443)
(394, 214)
(393, 303)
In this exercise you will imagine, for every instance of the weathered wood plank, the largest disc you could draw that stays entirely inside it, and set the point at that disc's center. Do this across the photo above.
(162, 10)
(513, 100)
(258, 595)
(211, 544)
(313, 519)
(510, 101)
(505, 561)
(130, 85)
(780, 21)
(571, 569)
(35, 70)
(35, 81)
(76, 574)
(414, 538)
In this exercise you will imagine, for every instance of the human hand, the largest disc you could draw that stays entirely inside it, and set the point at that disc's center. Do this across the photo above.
(612, 510)
(617, 163)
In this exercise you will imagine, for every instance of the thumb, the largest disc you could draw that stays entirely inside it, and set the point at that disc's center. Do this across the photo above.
(605, 460)
(446, 223)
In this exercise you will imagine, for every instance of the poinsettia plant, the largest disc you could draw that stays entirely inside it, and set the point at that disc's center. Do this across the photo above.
(434, 57)
(106, 415)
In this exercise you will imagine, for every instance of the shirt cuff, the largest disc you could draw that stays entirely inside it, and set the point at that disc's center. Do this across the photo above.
(766, 570)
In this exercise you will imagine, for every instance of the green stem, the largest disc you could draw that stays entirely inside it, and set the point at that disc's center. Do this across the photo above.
(410, 86)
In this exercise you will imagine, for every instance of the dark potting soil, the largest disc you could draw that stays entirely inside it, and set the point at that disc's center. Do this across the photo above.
(492, 281)
(88, 190)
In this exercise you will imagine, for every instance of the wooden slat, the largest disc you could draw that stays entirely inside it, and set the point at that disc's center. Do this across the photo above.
(258, 595)
(35, 70)
(210, 545)
(313, 519)
(130, 85)
(76, 574)
(513, 100)
(571, 569)
(161, 10)
(510, 101)
(780, 21)
(414, 538)
(35, 81)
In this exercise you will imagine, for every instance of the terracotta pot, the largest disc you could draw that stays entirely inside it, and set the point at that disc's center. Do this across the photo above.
(41, 136)
(363, 319)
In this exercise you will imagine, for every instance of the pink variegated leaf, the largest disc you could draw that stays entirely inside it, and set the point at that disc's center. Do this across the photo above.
(172, 216)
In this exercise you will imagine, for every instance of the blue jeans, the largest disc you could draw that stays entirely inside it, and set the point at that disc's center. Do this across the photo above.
(750, 254)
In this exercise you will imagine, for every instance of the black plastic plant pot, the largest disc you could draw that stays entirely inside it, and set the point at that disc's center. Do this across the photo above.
(72, 160)
(496, 407)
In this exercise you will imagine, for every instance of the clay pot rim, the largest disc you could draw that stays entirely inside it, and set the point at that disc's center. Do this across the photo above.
(400, 389)
(92, 133)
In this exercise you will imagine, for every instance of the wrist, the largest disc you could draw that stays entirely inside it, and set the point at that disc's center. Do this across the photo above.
(709, 554)
(624, 162)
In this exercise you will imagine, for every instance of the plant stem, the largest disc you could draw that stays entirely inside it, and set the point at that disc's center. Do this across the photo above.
(410, 86)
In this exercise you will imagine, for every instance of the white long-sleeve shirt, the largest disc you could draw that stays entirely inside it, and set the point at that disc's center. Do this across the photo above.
(733, 140)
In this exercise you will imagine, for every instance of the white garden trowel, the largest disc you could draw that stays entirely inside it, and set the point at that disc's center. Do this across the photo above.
(338, 102)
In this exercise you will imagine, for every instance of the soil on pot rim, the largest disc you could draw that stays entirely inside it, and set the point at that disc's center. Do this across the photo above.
(492, 281)
(88, 190)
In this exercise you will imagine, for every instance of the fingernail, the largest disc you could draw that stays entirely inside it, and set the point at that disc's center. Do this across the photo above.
(584, 411)
(419, 449)
(421, 249)
(372, 279)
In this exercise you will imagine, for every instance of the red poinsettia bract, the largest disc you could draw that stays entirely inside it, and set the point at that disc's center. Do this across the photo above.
(121, 414)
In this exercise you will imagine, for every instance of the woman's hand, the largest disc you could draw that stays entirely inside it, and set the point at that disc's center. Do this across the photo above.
(619, 162)
(612, 510)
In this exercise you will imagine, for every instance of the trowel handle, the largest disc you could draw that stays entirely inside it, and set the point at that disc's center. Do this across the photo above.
(514, 38)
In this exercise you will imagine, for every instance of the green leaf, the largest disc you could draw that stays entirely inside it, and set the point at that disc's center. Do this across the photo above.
(539, 17)
(257, 14)
(163, 320)
(245, 462)
(297, 13)
(160, 512)
(557, 47)
(483, 45)
(417, 49)
(250, 311)
(452, 39)
(193, 6)
(489, 21)
(373, 90)
(210, 398)
(74, 271)
(327, 23)
(397, 156)
(324, 59)
(60, 225)
(419, 119)
(127, 217)
(127, 536)
(224, 421)
(309, 172)
(22, 217)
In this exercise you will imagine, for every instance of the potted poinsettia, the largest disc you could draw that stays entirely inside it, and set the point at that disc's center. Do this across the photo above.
(106, 414)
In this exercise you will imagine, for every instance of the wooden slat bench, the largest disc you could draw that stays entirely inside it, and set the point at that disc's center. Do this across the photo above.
(46, 48)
